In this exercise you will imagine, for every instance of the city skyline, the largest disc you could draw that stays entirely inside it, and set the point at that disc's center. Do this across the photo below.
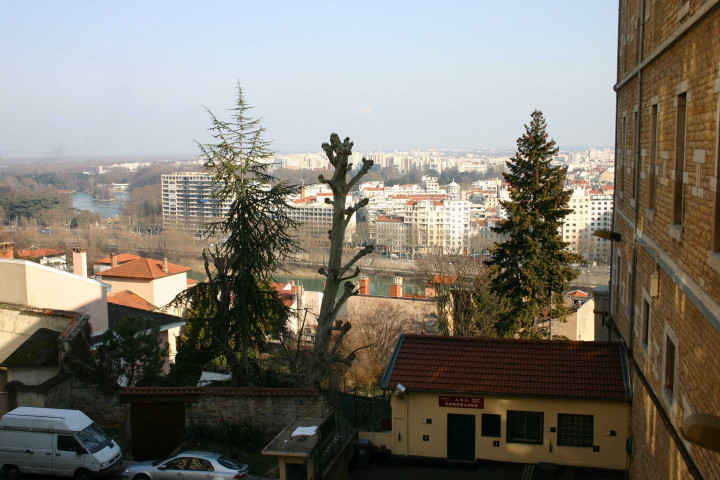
(134, 79)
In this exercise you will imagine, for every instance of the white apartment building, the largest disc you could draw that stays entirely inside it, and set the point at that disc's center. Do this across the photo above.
(591, 210)
(315, 216)
(188, 201)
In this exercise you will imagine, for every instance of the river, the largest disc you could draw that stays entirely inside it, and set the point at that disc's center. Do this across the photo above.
(378, 285)
(104, 208)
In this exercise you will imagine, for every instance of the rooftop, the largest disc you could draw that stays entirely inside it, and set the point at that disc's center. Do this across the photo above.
(544, 368)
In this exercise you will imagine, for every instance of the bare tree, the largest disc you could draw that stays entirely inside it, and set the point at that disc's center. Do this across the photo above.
(336, 273)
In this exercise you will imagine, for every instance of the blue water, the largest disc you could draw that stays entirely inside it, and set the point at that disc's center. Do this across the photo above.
(107, 208)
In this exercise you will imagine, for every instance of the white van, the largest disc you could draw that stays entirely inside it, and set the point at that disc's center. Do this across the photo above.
(53, 441)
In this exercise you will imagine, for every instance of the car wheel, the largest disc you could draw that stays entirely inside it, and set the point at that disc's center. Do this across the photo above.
(141, 476)
(82, 474)
(12, 472)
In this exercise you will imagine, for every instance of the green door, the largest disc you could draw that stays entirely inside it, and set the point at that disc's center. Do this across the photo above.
(461, 437)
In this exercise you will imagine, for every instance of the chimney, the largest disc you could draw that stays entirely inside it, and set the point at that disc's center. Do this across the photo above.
(165, 265)
(6, 250)
(396, 288)
(113, 260)
(79, 261)
(364, 286)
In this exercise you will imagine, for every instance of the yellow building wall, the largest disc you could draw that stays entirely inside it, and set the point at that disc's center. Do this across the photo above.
(412, 409)
(17, 326)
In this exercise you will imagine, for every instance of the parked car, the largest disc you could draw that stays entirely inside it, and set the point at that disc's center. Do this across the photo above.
(191, 465)
(52, 441)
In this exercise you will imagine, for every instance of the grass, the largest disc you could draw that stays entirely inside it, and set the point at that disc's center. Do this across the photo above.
(258, 463)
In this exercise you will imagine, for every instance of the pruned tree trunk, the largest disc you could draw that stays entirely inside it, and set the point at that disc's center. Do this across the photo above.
(336, 273)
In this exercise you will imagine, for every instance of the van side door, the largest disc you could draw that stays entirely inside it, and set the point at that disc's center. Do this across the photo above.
(67, 458)
(40, 452)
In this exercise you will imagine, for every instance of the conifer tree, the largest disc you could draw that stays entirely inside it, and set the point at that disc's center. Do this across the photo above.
(259, 235)
(531, 268)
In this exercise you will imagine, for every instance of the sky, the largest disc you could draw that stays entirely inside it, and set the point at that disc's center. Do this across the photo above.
(136, 77)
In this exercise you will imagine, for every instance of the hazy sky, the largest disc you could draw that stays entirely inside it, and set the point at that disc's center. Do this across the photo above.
(132, 77)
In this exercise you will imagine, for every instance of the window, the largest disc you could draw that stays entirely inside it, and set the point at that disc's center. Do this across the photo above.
(621, 163)
(67, 443)
(645, 322)
(680, 134)
(653, 155)
(636, 154)
(669, 380)
(524, 427)
(575, 430)
(490, 425)
(716, 227)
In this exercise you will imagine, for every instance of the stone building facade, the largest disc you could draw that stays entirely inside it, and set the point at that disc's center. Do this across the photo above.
(665, 288)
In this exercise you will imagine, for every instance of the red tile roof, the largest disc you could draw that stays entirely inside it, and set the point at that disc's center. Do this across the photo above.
(286, 296)
(542, 368)
(146, 268)
(39, 252)
(130, 299)
(243, 391)
(121, 258)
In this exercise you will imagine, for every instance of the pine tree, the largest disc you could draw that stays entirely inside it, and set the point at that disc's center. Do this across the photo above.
(531, 268)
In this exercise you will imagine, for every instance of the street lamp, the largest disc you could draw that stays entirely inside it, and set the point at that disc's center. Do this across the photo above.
(616, 237)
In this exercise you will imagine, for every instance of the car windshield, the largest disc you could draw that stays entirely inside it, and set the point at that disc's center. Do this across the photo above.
(231, 463)
(93, 438)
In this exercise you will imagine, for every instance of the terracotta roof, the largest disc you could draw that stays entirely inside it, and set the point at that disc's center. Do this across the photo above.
(577, 293)
(130, 299)
(240, 391)
(121, 258)
(287, 296)
(444, 280)
(190, 282)
(143, 268)
(39, 252)
(40, 350)
(542, 368)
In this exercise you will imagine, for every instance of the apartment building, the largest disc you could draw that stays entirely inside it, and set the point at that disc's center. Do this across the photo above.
(188, 201)
(315, 216)
(591, 210)
(665, 282)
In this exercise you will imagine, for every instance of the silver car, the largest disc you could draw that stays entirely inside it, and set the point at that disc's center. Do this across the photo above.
(188, 466)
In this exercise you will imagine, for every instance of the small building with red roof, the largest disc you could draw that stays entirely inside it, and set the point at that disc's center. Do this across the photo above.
(509, 400)
(155, 281)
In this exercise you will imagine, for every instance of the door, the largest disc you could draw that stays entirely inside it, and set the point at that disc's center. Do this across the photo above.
(66, 455)
(461, 437)
(40, 452)
(157, 429)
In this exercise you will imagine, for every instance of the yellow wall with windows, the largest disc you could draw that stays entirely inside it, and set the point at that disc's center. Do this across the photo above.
(412, 410)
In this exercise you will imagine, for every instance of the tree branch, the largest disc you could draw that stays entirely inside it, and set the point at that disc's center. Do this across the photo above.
(350, 277)
(365, 251)
(367, 165)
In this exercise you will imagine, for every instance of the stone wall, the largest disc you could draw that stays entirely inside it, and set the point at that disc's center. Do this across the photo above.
(271, 413)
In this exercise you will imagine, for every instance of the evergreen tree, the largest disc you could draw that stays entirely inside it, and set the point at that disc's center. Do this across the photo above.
(259, 236)
(531, 268)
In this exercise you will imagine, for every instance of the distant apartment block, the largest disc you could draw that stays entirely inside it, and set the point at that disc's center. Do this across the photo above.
(591, 210)
(188, 201)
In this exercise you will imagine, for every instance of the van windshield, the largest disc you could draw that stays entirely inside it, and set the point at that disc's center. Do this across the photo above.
(93, 438)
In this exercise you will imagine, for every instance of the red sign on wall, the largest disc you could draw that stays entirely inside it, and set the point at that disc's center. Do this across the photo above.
(462, 402)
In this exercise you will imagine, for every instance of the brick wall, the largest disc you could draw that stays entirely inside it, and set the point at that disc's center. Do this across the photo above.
(681, 53)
